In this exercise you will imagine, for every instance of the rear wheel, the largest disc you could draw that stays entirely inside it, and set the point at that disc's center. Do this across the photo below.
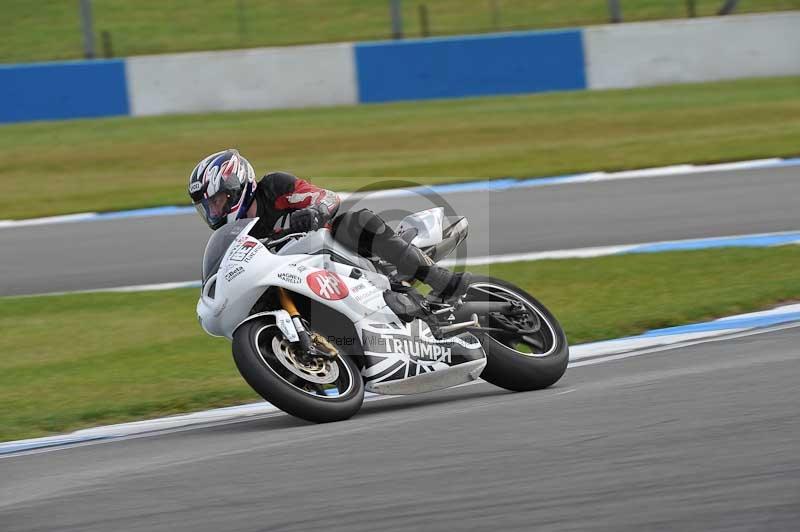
(318, 389)
(532, 360)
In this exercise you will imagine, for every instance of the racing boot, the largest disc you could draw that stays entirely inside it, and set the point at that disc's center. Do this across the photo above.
(446, 284)
(411, 306)
(405, 306)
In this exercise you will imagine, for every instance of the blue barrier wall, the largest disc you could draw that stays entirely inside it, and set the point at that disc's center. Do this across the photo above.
(51, 91)
(470, 66)
(619, 55)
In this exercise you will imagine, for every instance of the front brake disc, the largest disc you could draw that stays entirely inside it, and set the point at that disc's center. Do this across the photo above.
(317, 370)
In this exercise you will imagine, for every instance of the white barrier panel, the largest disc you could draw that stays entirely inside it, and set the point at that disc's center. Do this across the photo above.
(263, 78)
(708, 49)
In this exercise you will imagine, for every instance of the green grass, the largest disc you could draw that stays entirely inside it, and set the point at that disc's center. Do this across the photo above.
(50, 29)
(49, 168)
(86, 359)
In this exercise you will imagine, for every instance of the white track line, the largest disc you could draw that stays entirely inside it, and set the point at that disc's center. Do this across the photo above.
(679, 345)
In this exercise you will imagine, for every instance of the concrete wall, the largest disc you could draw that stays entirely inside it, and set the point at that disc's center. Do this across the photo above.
(266, 78)
(707, 49)
(623, 55)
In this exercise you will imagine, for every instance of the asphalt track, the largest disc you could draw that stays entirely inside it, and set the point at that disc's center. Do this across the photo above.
(85, 255)
(697, 438)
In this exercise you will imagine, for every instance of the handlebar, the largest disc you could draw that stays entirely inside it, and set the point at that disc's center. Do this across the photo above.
(272, 243)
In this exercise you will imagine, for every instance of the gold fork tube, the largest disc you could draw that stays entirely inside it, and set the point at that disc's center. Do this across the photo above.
(286, 302)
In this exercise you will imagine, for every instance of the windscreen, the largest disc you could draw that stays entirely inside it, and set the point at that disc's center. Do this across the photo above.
(218, 244)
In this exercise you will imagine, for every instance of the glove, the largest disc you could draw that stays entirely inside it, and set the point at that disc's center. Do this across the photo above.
(304, 220)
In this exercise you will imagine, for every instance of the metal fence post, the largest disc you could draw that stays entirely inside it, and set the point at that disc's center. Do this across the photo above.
(108, 51)
(242, 20)
(615, 10)
(728, 7)
(397, 18)
(424, 27)
(495, 7)
(88, 28)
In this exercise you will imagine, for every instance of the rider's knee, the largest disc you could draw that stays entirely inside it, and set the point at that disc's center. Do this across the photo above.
(356, 229)
(371, 223)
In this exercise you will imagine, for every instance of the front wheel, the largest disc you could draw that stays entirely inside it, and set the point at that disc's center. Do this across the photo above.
(318, 390)
(533, 360)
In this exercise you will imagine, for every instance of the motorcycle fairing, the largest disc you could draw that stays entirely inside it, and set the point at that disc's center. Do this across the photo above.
(405, 358)
(401, 359)
(427, 225)
(425, 229)
(322, 242)
(247, 269)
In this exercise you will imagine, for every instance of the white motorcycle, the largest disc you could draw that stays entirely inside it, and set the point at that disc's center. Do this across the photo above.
(311, 328)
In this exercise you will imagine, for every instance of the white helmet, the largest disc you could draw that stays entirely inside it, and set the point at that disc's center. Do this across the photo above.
(222, 187)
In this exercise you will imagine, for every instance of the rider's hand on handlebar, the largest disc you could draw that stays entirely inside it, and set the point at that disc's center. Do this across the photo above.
(304, 220)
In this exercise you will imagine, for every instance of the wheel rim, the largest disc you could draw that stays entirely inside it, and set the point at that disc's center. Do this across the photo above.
(328, 383)
(545, 340)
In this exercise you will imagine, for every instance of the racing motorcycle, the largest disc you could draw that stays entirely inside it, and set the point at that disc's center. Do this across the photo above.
(312, 327)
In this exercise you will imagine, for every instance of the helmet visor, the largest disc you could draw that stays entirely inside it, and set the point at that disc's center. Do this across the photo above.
(215, 210)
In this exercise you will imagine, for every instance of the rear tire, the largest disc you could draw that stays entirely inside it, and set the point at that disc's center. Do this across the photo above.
(267, 374)
(510, 368)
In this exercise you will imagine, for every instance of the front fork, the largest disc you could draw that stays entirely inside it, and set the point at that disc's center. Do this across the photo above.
(307, 347)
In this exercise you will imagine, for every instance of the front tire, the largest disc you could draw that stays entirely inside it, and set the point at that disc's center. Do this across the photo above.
(269, 373)
(525, 363)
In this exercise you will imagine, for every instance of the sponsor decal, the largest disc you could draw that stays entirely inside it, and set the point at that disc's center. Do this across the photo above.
(414, 347)
(246, 251)
(358, 288)
(365, 297)
(327, 285)
(290, 278)
(252, 254)
(299, 267)
(195, 187)
(365, 291)
(234, 273)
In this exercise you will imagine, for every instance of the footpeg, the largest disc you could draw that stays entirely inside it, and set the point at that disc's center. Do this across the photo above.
(444, 329)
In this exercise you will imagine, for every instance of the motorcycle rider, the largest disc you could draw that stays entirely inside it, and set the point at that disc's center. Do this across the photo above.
(223, 188)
